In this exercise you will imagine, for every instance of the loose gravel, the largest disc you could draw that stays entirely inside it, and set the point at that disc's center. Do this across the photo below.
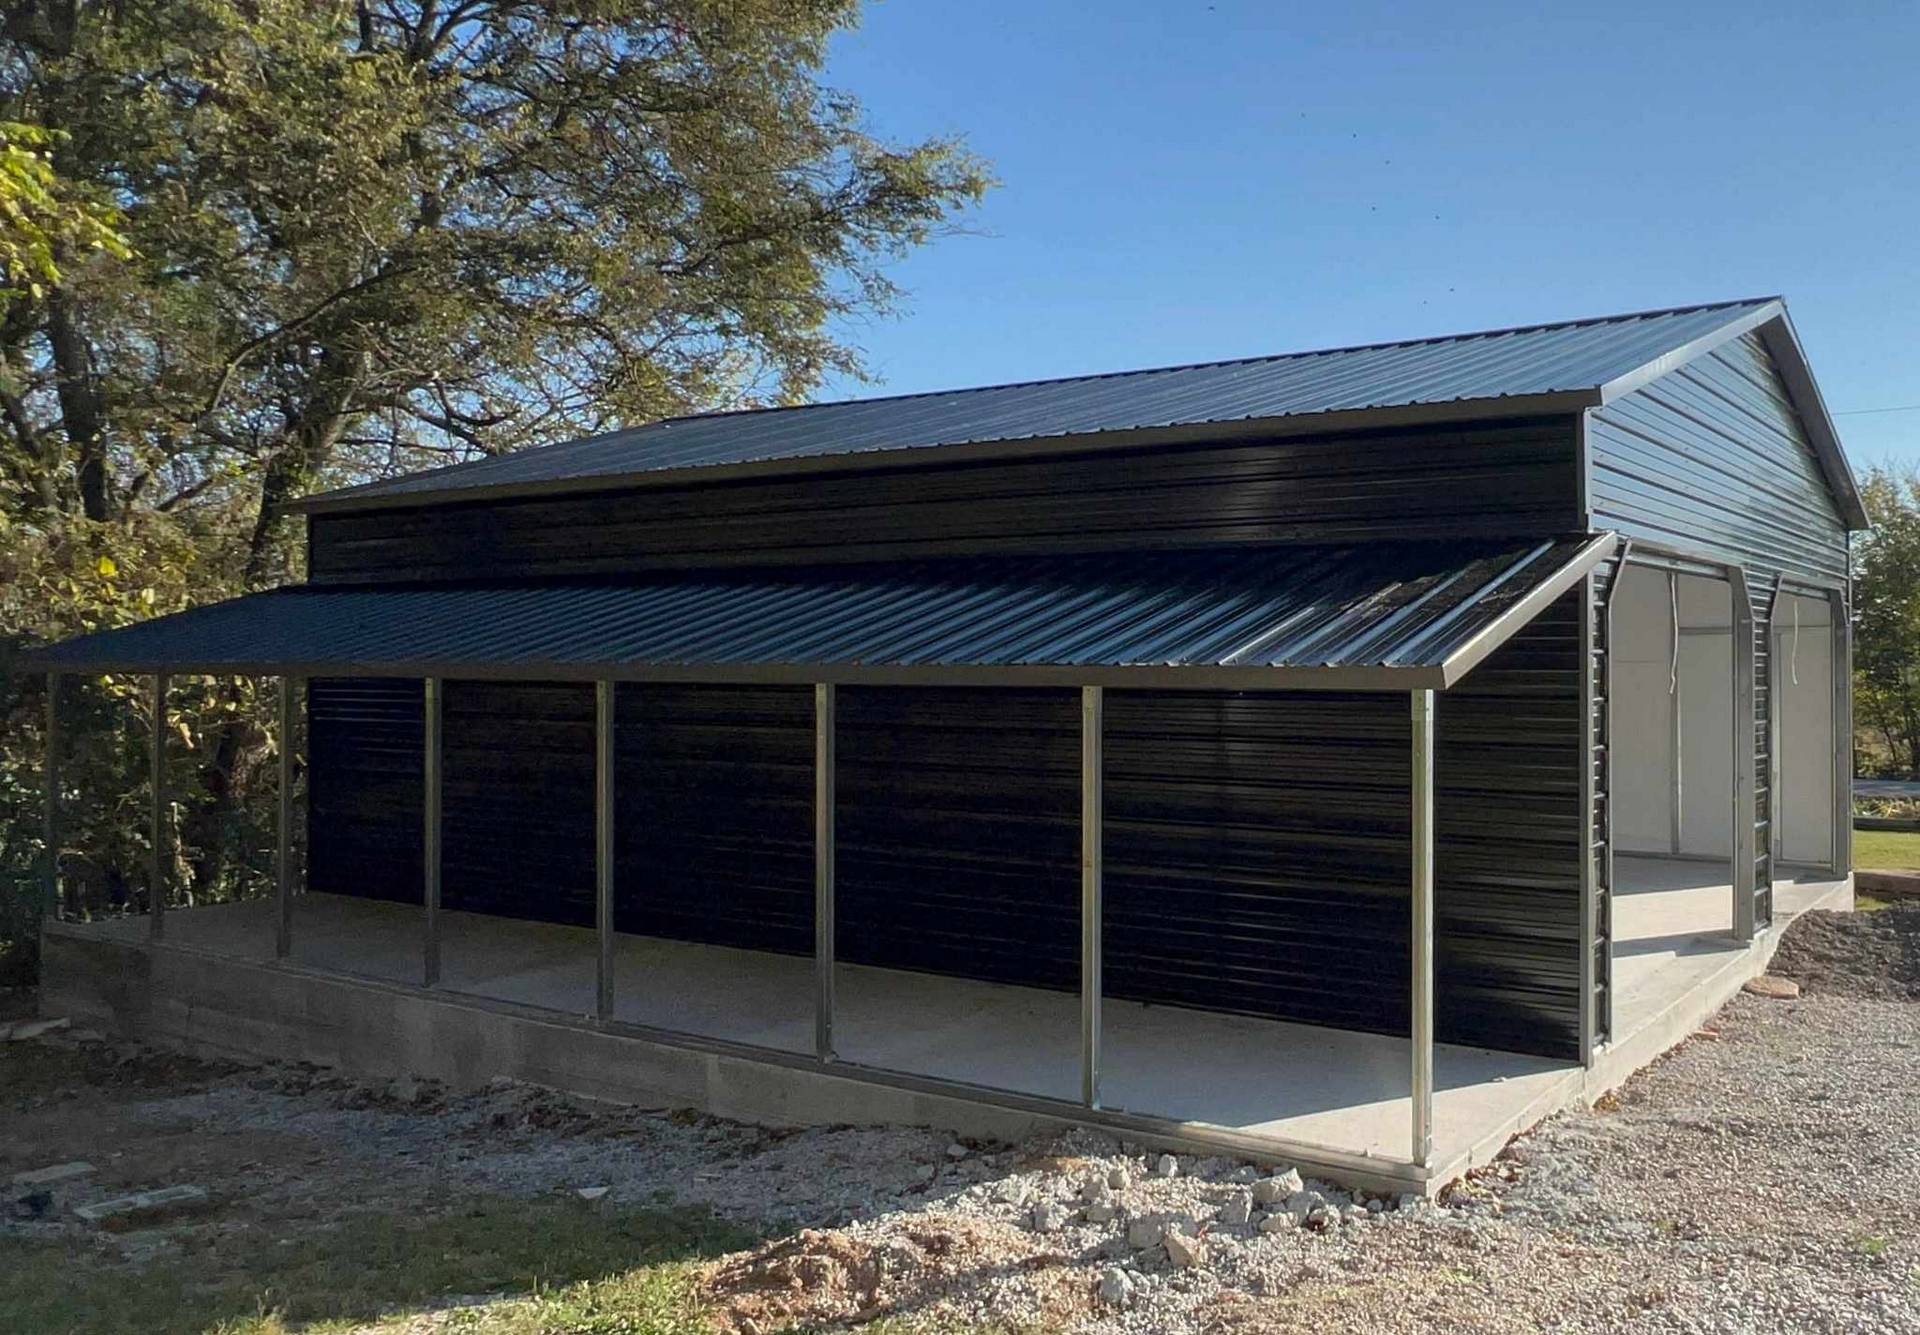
(1764, 1176)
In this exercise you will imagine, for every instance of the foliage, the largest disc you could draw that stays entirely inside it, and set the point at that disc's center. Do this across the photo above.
(553, 1265)
(362, 237)
(39, 220)
(1886, 650)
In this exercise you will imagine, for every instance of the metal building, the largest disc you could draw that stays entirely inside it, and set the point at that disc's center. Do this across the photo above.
(1345, 757)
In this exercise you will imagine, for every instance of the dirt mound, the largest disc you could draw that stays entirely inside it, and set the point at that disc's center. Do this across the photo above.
(1872, 955)
(938, 1263)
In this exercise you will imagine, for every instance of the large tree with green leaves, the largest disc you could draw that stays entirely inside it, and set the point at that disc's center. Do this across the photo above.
(370, 235)
(1886, 597)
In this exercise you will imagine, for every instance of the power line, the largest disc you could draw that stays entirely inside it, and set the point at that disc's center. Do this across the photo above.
(1901, 408)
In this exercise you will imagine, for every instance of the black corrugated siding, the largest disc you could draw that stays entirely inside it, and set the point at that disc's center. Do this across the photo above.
(1763, 594)
(1712, 460)
(1257, 844)
(364, 785)
(1508, 480)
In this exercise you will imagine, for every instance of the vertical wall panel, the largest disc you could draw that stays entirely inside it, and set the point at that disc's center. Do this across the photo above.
(713, 823)
(517, 800)
(364, 813)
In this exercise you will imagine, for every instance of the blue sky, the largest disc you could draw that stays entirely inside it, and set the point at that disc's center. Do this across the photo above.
(1189, 181)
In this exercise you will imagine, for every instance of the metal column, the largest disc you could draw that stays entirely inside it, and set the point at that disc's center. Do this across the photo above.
(1421, 1027)
(157, 891)
(51, 815)
(823, 870)
(603, 846)
(430, 831)
(1841, 666)
(1589, 870)
(283, 855)
(1745, 756)
(1092, 803)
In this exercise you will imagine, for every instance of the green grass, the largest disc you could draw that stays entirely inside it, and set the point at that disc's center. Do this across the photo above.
(553, 1266)
(1887, 850)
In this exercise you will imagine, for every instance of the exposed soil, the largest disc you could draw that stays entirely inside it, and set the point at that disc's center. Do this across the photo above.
(1873, 955)
(1764, 1176)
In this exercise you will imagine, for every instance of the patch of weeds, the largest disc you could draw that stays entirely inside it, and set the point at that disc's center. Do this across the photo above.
(1869, 1244)
(1608, 1102)
(537, 1266)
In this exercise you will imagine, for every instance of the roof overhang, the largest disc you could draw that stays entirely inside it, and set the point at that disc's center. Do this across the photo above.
(1368, 617)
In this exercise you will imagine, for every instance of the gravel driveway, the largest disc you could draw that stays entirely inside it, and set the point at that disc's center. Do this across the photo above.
(1763, 1177)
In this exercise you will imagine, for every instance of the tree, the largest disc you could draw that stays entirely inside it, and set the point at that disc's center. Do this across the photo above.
(368, 236)
(1886, 596)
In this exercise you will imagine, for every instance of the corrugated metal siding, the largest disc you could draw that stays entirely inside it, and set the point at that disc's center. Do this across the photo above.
(1499, 364)
(1505, 480)
(713, 823)
(1601, 589)
(517, 800)
(1711, 459)
(1257, 845)
(364, 787)
(1371, 605)
(1510, 835)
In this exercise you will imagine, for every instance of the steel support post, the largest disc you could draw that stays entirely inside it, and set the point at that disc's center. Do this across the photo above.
(157, 753)
(603, 846)
(283, 853)
(1421, 1027)
(823, 869)
(1841, 661)
(430, 831)
(1590, 871)
(1745, 756)
(50, 816)
(1092, 806)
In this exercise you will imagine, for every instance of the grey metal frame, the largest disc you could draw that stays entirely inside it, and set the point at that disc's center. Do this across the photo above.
(1842, 664)
(283, 854)
(430, 832)
(824, 711)
(1606, 669)
(50, 817)
(1676, 737)
(1744, 770)
(603, 851)
(160, 832)
(1421, 1020)
(1589, 873)
(1092, 907)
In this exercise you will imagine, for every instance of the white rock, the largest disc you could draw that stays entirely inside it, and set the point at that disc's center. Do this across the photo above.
(1118, 1178)
(1096, 1191)
(59, 1172)
(1116, 1289)
(957, 1151)
(1280, 1222)
(1049, 1217)
(1166, 1166)
(1102, 1212)
(1145, 1233)
(1278, 1187)
(1356, 1214)
(591, 1193)
(143, 1204)
(1238, 1210)
(1243, 1175)
(1302, 1204)
(1183, 1251)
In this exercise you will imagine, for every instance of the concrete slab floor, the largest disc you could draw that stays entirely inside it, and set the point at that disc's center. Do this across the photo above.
(1298, 1083)
(1346, 1091)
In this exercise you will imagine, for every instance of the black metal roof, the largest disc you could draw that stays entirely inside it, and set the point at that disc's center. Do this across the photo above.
(1550, 366)
(1370, 616)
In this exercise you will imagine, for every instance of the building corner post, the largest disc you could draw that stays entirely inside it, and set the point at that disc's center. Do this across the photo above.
(1745, 758)
(824, 761)
(283, 852)
(157, 894)
(430, 828)
(1092, 897)
(603, 848)
(1421, 1027)
(1842, 677)
(50, 888)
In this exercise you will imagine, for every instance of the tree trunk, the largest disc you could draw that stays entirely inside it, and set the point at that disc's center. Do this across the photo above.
(83, 409)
